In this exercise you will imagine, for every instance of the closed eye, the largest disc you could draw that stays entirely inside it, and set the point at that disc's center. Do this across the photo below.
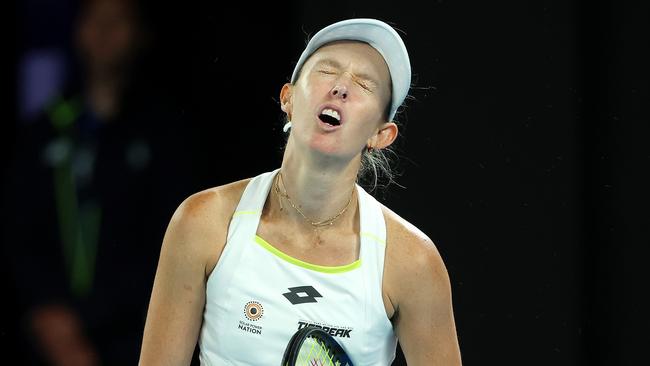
(364, 86)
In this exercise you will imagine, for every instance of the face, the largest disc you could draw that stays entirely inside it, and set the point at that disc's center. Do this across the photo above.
(106, 33)
(338, 105)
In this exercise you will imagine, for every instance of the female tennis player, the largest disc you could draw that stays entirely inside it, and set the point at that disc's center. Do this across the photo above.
(245, 265)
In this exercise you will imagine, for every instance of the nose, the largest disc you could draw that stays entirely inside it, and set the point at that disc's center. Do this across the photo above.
(339, 91)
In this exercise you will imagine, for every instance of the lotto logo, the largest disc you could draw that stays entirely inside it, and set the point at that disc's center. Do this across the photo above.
(302, 295)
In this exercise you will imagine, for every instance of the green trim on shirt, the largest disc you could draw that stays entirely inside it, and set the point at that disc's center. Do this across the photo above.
(314, 267)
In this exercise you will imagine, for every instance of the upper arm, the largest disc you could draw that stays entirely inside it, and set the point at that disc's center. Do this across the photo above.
(178, 296)
(424, 319)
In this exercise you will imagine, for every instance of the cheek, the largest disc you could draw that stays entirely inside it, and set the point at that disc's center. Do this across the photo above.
(375, 110)
(310, 88)
(298, 102)
(303, 98)
(359, 133)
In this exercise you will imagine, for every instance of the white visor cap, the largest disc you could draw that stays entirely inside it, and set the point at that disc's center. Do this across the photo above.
(381, 37)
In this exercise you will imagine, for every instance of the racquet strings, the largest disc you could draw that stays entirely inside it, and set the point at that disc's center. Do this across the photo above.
(315, 353)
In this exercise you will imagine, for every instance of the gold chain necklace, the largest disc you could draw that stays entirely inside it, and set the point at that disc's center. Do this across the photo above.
(318, 224)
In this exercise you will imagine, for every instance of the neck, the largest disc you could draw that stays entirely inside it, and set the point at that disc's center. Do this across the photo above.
(104, 90)
(320, 188)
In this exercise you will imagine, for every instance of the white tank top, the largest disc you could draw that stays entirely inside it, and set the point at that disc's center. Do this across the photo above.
(258, 296)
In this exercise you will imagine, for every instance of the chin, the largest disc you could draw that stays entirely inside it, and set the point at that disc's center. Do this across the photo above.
(331, 151)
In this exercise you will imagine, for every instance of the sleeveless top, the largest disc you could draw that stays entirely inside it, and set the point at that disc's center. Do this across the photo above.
(257, 297)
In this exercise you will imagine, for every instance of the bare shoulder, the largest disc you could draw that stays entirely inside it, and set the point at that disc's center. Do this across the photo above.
(211, 203)
(193, 242)
(412, 260)
(415, 278)
(406, 242)
(201, 221)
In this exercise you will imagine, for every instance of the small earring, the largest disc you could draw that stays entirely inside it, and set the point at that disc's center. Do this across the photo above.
(287, 126)
(369, 149)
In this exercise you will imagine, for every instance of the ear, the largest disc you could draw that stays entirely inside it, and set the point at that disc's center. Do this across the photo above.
(286, 95)
(384, 136)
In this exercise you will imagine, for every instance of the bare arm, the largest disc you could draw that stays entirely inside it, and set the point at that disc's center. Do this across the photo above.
(424, 316)
(178, 297)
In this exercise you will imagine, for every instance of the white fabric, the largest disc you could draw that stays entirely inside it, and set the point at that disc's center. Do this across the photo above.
(248, 273)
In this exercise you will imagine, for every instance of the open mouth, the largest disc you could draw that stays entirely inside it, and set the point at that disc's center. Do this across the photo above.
(330, 116)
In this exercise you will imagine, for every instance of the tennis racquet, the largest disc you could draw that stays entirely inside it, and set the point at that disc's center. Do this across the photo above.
(311, 346)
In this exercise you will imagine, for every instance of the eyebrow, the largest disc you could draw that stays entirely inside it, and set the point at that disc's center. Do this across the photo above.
(337, 65)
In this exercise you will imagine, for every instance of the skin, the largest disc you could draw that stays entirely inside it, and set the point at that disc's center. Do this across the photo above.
(319, 169)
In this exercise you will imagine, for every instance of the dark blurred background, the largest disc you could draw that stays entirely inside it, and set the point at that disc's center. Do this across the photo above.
(524, 156)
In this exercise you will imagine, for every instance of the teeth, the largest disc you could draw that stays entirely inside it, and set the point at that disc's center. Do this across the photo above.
(331, 113)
